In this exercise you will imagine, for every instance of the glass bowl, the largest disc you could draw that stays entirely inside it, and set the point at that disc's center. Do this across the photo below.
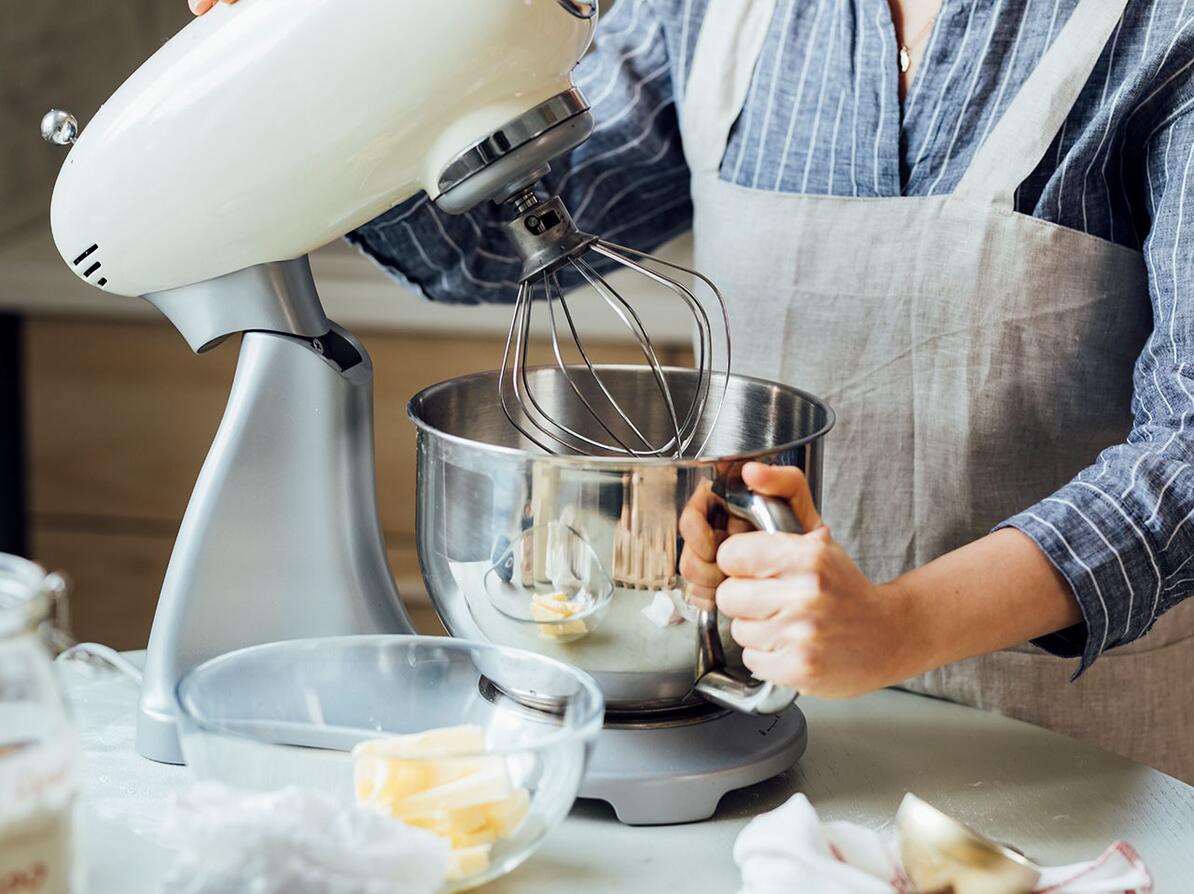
(290, 713)
(572, 599)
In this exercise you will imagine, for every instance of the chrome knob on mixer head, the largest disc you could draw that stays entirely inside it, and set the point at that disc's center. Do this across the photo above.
(59, 127)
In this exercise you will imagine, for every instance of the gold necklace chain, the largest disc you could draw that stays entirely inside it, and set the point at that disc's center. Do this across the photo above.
(905, 56)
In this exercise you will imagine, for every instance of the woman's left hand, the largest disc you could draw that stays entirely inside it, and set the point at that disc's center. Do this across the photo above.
(804, 613)
(199, 7)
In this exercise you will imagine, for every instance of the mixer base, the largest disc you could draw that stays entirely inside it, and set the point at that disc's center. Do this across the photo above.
(679, 774)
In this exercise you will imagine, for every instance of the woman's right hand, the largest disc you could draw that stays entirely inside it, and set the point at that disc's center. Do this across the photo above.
(199, 7)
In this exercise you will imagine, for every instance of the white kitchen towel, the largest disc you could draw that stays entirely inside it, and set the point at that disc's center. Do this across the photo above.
(790, 849)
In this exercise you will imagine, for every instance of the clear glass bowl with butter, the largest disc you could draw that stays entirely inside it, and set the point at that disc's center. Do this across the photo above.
(482, 745)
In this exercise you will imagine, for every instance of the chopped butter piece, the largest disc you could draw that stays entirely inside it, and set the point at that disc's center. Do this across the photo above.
(552, 611)
(462, 739)
(506, 816)
(561, 602)
(485, 835)
(464, 797)
(488, 784)
(463, 827)
(439, 822)
(380, 782)
(468, 819)
(568, 628)
(541, 612)
(467, 861)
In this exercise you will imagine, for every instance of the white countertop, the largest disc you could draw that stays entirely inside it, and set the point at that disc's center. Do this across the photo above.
(356, 294)
(1057, 799)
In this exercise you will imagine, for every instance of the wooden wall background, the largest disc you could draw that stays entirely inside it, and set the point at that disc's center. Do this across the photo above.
(67, 54)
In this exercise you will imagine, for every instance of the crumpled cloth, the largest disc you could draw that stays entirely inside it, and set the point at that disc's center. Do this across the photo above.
(790, 849)
(294, 841)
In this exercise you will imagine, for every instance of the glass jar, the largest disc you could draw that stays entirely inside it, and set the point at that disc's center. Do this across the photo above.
(38, 742)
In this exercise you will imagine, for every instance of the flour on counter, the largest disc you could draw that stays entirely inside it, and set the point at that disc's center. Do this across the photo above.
(294, 841)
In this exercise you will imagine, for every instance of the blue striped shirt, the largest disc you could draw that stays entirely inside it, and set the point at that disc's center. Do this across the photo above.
(822, 117)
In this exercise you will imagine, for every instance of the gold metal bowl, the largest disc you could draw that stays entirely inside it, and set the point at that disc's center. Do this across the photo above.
(942, 855)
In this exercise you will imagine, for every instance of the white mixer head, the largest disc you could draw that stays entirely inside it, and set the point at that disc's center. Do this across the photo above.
(264, 130)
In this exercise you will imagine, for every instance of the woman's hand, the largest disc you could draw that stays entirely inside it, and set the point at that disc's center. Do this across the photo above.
(199, 7)
(804, 613)
(807, 617)
(704, 525)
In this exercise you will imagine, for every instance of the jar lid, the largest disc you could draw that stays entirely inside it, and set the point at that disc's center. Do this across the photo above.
(25, 595)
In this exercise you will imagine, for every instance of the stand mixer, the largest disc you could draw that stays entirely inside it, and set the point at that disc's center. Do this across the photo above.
(265, 130)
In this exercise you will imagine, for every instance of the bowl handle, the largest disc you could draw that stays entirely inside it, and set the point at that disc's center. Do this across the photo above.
(715, 681)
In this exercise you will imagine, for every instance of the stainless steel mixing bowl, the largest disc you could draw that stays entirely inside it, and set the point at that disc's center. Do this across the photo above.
(561, 554)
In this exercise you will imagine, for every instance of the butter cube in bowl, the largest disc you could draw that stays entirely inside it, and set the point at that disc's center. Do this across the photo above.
(482, 746)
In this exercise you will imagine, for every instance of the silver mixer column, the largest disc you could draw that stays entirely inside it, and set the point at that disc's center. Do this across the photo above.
(281, 539)
(278, 297)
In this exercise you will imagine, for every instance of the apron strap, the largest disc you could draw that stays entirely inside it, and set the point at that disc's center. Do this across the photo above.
(1020, 140)
(727, 48)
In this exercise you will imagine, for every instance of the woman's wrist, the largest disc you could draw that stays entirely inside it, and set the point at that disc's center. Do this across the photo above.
(909, 647)
(991, 594)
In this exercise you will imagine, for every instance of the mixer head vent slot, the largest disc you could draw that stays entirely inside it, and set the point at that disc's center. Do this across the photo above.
(84, 256)
(92, 267)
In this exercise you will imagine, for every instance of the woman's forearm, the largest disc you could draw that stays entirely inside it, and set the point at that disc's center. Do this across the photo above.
(808, 617)
(991, 594)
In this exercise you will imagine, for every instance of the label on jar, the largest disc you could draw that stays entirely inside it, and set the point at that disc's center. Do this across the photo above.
(37, 786)
(35, 855)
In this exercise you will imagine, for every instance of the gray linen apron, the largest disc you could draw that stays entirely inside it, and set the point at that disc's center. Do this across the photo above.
(977, 359)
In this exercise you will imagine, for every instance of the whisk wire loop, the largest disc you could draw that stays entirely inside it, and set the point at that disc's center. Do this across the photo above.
(552, 297)
(622, 308)
(596, 378)
(704, 341)
(725, 319)
(514, 344)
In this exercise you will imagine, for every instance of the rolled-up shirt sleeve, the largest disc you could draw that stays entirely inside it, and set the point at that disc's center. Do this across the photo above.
(1122, 532)
(628, 182)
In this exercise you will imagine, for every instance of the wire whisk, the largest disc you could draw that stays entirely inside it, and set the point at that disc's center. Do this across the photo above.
(590, 417)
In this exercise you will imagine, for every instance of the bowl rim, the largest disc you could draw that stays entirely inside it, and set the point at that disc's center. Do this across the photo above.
(585, 728)
(523, 453)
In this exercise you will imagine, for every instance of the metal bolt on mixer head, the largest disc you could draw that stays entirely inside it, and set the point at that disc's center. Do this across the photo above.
(590, 418)
(59, 127)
